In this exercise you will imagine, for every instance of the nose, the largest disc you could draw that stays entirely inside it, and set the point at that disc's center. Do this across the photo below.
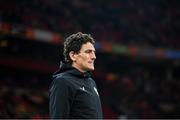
(93, 56)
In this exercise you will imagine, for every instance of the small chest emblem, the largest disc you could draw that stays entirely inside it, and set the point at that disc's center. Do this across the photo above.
(82, 88)
(96, 91)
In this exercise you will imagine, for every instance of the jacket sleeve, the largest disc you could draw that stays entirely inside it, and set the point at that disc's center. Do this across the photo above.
(59, 105)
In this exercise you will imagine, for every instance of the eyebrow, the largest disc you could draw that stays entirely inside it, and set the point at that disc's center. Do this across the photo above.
(90, 50)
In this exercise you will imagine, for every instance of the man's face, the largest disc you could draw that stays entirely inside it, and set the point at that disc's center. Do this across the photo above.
(84, 60)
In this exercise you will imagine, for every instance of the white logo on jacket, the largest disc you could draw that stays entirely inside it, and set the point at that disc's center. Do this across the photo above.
(83, 89)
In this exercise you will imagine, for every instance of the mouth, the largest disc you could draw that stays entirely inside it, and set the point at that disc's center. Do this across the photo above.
(91, 62)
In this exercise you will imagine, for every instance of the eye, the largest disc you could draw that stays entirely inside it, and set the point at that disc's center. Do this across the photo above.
(89, 51)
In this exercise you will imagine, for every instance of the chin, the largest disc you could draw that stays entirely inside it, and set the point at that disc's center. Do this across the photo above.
(91, 68)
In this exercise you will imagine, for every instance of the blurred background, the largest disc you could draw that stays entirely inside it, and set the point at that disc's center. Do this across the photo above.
(138, 54)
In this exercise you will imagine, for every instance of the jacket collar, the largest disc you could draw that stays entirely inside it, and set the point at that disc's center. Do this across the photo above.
(67, 68)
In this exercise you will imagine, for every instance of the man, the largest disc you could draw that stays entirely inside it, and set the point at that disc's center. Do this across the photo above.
(73, 93)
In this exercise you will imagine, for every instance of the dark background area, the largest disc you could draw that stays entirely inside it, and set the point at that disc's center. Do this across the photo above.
(138, 54)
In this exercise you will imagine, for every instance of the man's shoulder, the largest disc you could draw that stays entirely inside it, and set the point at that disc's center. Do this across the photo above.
(63, 78)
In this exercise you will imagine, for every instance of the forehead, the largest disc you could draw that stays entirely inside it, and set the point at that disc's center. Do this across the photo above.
(88, 46)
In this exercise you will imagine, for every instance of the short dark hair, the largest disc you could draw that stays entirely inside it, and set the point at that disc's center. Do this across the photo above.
(74, 43)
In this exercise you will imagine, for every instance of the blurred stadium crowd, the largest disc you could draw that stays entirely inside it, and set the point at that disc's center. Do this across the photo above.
(130, 87)
(150, 22)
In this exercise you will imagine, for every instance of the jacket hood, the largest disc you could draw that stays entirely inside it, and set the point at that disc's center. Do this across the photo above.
(67, 68)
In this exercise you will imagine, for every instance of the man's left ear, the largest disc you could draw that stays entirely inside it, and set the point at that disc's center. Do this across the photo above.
(73, 55)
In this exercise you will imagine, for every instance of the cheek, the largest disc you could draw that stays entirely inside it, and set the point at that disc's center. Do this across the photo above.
(84, 62)
(84, 59)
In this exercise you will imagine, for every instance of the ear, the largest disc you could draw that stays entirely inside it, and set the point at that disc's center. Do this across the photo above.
(73, 56)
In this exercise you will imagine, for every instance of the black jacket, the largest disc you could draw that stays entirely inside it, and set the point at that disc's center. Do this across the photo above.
(74, 95)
